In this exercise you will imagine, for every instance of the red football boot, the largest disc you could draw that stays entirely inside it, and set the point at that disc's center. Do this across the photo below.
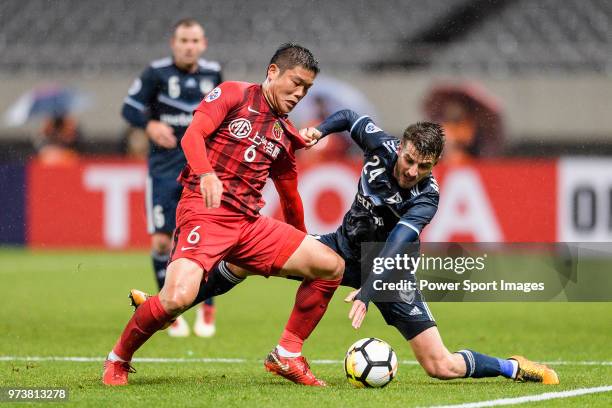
(116, 372)
(294, 369)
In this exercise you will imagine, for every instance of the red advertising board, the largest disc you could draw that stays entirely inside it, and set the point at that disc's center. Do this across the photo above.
(496, 201)
(100, 203)
(96, 203)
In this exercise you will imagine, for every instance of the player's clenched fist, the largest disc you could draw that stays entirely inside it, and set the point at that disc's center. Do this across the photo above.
(211, 189)
(310, 135)
(161, 134)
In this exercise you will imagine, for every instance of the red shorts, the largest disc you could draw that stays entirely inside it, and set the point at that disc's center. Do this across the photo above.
(261, 245)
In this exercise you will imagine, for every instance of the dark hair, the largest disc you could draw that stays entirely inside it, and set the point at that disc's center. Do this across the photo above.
(185, 22)
(290, 55)
(426, 137)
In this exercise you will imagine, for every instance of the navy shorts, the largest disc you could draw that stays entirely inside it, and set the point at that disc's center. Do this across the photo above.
(410, 319)
(162, 196)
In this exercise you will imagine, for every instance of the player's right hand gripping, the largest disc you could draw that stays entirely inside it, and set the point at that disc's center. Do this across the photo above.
(311, 136)
(161, 134)
(211, 189)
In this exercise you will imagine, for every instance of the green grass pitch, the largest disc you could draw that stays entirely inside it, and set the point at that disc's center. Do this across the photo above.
(74, 304)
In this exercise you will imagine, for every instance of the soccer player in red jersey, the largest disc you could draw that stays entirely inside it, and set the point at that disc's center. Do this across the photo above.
(240, 136)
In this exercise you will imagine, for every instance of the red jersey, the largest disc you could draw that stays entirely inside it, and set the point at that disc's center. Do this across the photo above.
(251, 143)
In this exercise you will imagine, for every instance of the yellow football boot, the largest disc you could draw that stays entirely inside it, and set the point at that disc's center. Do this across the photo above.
(536, 372)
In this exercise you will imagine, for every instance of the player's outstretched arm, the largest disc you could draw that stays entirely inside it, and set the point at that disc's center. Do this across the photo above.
(401, 240)
(398, 242)
(362, 129)
(340, 121)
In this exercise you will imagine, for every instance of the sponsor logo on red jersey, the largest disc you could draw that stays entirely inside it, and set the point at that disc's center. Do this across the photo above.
(240, 128)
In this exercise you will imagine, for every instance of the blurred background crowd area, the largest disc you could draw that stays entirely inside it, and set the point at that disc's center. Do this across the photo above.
(527, 78)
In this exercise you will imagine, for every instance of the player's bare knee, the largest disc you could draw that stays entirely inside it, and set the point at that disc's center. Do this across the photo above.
(183, 278)
(175, 302)
(332, 266)
(176, 298)
(338, 270)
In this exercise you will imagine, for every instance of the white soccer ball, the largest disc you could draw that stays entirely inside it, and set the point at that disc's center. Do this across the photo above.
(370, 362)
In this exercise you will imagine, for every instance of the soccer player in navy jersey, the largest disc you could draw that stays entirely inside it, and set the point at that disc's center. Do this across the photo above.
(161, 102)
(397, 196)
(239, 136)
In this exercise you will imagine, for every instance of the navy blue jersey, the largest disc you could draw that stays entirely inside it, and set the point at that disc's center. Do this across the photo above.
(380, 203)
(166, 93)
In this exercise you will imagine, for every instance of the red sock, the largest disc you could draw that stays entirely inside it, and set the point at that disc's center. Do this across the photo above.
(148, 318)
(311, 302)
(291, 342)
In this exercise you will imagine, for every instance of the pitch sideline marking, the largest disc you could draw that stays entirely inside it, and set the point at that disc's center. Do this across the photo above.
(530, 398)
(240, 360)
(490, 403)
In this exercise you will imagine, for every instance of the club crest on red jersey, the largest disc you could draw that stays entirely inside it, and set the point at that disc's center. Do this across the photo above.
(240, 128)
(277, 131)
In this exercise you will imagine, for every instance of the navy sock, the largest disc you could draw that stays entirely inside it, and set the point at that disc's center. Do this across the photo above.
(507, 367)
(210, 301)
(220, 280)
(160, 263)
(480, 365)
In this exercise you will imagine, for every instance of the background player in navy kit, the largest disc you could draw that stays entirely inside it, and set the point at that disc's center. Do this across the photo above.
(161, 101)
(397, 197)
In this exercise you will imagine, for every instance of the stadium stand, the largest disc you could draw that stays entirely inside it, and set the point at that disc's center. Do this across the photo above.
(516, 35)
(125, 35)
(534, 37)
